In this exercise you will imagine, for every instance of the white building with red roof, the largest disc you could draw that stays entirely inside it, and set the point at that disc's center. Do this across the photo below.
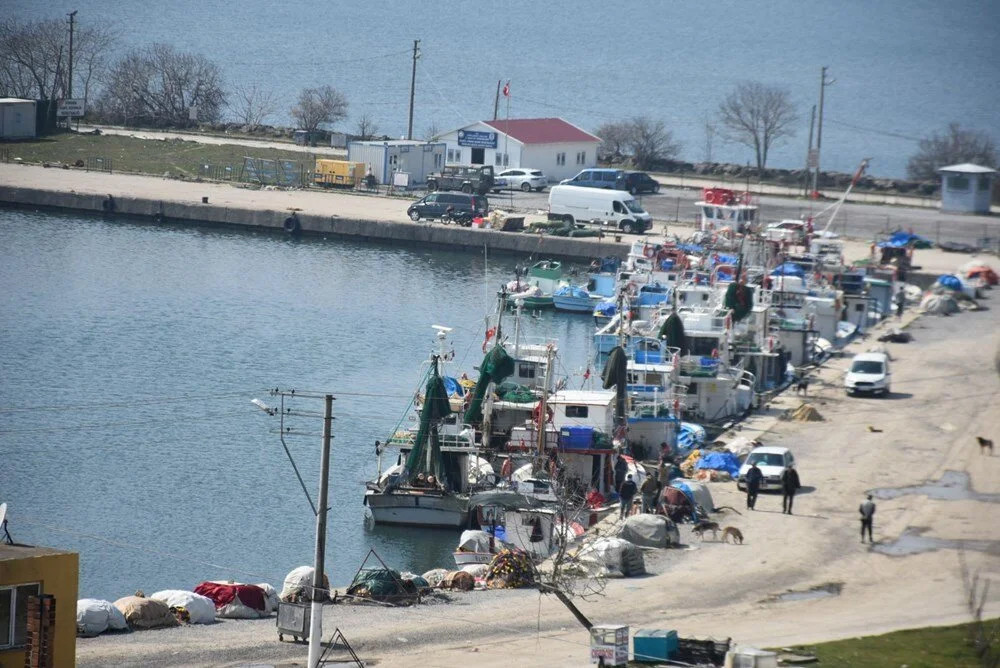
(557, 147)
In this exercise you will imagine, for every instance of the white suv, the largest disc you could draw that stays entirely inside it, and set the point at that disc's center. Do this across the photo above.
(520, 179)
(869, 372)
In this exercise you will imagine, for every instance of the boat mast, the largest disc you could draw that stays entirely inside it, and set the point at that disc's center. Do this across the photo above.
(543, 405)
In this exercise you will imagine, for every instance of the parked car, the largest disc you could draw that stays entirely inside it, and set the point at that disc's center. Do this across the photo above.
(639, 182)
(597, 178)
(520, 179)
(869, 372)
(771, 460)
(434, 205)
(467, 178)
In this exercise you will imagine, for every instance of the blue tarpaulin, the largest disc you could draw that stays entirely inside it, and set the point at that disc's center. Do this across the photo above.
(607, 309)
(691, 248)
(902, 239)
(950, 281)
(788, 269)
(691, 435)
(720, 461)
(452, 386)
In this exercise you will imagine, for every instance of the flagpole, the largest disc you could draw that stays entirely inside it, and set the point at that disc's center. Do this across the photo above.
(506, 135)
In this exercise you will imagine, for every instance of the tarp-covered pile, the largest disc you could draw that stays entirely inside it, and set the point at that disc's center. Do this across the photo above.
(383, 584)
(646, 530)
(235, 600)
(939, 304)
(145, 613)
(94, 617)
(510, 569)
(612, 556)
(720, 461)
(297, 587)
(459, 580)
(676, 504)
(696, 492)
(187, 606)
(901, 239)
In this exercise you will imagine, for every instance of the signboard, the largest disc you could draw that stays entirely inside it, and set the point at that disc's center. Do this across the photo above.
(401, 179)
(70, 108)
(477, 139)
(812, 161)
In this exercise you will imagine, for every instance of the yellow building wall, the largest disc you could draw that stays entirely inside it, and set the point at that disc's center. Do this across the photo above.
(59, 576)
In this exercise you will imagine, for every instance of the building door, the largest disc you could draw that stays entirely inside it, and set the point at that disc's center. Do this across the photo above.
(478, 156)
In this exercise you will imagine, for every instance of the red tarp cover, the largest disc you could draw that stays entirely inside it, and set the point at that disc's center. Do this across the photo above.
(251, 596)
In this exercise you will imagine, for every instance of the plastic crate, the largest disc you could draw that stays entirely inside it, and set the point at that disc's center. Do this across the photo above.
(576, 438)
(654, 645)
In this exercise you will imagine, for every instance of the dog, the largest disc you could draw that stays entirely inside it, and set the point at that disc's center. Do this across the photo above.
(984, 445)
(802, 386)
(735, 533)
(701, 528)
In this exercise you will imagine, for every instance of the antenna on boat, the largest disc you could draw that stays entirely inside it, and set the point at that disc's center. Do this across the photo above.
(442, 337)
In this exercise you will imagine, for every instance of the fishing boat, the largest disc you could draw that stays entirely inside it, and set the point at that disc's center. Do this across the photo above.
(573, 298)
(535, 290)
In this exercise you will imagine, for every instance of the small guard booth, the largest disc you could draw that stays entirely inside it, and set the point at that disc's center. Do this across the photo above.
(966, 188)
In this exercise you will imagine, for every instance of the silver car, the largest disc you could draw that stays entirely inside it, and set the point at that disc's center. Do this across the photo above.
(520, 179)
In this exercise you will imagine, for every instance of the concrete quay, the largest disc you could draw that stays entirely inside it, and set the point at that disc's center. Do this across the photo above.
(355, 216)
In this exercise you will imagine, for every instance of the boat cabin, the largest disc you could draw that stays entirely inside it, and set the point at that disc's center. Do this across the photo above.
(721, 207)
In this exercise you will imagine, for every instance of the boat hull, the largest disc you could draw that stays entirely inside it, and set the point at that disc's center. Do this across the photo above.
(473, 558)
(574, 304)
(423, 510)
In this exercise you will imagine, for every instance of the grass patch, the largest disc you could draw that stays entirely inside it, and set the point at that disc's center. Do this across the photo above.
(146, 156)
(916, 648)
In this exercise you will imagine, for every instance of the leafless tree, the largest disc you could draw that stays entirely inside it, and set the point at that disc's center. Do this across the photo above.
(953, 146)
(366, 127)
(758, 116)
(34, 58)
(650, 142)
(614, 141)
(319, 105)
(251, 105)
(432, 131)
(710, 131)
(158, 86)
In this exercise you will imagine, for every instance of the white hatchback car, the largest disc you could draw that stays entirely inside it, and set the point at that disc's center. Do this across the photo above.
(869, 372)
(520, 179)
(771, 460)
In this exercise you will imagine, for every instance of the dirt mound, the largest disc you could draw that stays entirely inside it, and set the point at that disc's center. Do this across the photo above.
(805, 413)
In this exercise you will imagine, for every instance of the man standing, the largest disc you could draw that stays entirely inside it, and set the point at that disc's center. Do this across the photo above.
(867, 510)
(621, 468)
(649, 490)
(900, 299)
(754, 477)
(627, 493)
(789, 485)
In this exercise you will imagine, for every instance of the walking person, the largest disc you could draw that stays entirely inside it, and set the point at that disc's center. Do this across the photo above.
(627, 493)
(789, 485)
(649, 489)
(900, 299)
(867, 510)
(754, 477)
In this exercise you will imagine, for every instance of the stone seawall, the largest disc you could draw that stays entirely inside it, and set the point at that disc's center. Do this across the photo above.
(386, 231)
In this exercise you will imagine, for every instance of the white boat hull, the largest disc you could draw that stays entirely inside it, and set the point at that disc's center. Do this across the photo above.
(418, 509)
(473, 558)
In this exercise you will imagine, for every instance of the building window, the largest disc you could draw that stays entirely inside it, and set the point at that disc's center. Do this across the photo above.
(581, 158)
(505, 163)
(14, 613)
(958, 182)
(525, 371)
(560, 158)
(437, 160)
(501, 160)
(576, 411)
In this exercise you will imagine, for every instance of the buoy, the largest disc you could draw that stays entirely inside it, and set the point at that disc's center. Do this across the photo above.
(108, 204)
(292, 225)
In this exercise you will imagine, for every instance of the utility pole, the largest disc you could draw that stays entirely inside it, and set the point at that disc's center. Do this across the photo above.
(823, 83)
(316, 607)
(72, 16)
(496, 101)
(812, 126)
(413, 83)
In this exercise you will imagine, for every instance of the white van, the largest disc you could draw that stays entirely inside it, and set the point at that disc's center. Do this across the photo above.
(607, 208)
(869, 372)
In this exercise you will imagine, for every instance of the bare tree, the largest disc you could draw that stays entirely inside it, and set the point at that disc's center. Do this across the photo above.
(366, 127)
(650, 142)
(758, 116)
(319, 105)
(432, 131)
(710, 131)
(158, 86)
(953, 146)
(252, 105)
(614, 141)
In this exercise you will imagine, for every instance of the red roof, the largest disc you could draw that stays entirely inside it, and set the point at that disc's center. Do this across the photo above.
(541, 130)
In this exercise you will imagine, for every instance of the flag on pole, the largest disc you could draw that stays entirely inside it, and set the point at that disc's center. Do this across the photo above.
(506, 89)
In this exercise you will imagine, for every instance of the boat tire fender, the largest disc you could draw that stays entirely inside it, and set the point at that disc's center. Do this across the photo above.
(292, 225)
(108, 204)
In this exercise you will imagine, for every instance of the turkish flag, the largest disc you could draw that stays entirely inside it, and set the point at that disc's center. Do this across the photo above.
(506, 89)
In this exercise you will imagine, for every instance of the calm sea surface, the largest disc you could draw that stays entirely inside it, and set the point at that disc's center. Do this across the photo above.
(129, 354)
(902, 69)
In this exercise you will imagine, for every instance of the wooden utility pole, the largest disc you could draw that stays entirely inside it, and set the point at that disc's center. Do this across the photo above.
(812, 126)
(413, 83)
(496, 101)
(823, 83)
(319, 591)
(72, 15)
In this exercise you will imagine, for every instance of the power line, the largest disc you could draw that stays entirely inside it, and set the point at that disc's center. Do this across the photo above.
(886, 133)
(181, 398)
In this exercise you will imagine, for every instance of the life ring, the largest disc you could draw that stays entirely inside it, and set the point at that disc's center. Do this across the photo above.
(536, 412)
(108, 204)
(292, 225)
(709, 196)
(648, 251)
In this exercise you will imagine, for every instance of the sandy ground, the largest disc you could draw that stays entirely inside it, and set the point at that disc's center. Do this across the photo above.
(945, 392)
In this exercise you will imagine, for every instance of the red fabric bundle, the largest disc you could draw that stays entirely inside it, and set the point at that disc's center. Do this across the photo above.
(251, 596)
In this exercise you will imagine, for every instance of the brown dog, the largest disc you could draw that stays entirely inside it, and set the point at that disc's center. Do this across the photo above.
(984, 445)
(703, 527)
(735, 533)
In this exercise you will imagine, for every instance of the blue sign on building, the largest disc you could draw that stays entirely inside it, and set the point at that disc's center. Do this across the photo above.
(477, 139)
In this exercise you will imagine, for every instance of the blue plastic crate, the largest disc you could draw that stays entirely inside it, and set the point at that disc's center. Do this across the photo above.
(654, 645)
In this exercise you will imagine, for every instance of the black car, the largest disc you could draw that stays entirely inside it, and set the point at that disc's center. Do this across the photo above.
(639, 182)
(434, 205)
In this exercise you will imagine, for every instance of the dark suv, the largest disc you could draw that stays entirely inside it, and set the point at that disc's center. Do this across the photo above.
(434, 205)
(467, 178)
(639, 182)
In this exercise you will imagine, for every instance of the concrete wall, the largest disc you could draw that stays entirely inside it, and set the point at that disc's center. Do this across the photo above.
(402, 233)
(58, 573)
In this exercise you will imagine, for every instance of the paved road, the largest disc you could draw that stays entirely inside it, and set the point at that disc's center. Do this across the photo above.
(861, 221)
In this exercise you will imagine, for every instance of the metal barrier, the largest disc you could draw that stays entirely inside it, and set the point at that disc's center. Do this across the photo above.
(99, 164)
(220, 172)
(4, 155)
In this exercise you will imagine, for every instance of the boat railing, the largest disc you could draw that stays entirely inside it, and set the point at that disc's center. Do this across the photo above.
(699, 365)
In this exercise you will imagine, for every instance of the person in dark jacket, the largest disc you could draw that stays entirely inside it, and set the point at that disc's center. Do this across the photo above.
(789, 485)
(649, 489)
(867, 510)
(627, 493)
(621, 468)
(754, 477)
